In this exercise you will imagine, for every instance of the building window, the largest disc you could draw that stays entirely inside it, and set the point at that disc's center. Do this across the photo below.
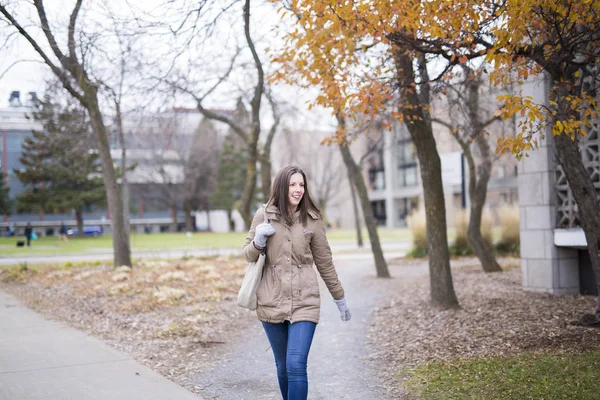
(407, 163)
(376, 170)
(500, 172)
(379, 212)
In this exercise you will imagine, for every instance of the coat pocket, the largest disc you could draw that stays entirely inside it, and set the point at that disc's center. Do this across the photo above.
(269, 289)
(309, 286)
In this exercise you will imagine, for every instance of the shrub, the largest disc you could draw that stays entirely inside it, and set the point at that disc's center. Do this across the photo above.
(461, 245)
(510, 230)
(418, 227)
(487, 228)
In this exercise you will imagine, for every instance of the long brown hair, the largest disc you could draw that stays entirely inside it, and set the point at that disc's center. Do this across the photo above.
(279, 195)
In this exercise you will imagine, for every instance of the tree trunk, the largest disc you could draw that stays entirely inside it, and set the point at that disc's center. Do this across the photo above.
(125, 195)
(359, 239)
(188, 218)
(249, 188)
(265, 174)
(440, 276)
(121, 246)
(380, 263)
(579, 179)
(124, 181)
(230, 220)
(584, 194)
(478, 184)
(79, 221)
(418, 122)
(173, 218)
(208, 223)
(478, 194)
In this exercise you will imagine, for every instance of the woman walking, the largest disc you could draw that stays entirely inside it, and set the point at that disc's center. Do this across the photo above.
(288, 295)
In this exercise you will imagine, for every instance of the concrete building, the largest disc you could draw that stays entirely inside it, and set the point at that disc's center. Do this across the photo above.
(157, 146)
(16, 124)
(394, 178)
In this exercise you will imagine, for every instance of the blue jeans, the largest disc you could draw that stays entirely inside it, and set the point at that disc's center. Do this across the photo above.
(291, 344)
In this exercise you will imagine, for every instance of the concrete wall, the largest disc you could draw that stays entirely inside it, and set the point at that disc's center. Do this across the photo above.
(545, 267)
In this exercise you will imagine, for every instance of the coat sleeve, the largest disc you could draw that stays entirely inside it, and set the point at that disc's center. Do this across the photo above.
(324, 261)
(250, 252)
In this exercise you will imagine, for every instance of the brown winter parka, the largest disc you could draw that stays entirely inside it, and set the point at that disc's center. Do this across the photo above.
(289, 289)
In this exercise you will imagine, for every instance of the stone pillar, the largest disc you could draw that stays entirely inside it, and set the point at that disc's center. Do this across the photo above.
(389, 162)
(545, 267)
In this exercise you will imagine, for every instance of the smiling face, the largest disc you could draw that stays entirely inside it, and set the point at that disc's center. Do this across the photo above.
(295, 191)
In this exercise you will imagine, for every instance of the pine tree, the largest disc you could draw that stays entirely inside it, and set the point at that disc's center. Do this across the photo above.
(231, 177)
(61, 172)
(5, 203)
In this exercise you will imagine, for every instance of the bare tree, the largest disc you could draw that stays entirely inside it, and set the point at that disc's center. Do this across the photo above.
(72, 67)
(177, 162)
(359, 183)
(200, 172)
(250, 133)
(469, 125)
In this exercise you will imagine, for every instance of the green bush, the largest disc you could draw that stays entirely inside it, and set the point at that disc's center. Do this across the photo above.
(509, 242)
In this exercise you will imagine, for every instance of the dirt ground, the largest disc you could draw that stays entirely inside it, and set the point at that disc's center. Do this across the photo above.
(496, 318)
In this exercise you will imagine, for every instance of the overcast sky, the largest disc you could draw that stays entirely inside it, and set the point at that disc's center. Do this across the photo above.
(30, 76)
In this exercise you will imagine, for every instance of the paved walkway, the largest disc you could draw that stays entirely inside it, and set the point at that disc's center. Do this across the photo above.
(42, 359)
(343, 250)
(337, 367)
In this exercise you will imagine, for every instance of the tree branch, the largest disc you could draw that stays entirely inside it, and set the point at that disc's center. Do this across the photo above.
(276, 117)
(211, 114)
(72, 22)
(57, 71)
(443, 123)
(222, 78)
(39, 5)
(258, 90)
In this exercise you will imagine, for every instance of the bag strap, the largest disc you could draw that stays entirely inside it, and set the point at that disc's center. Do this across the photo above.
(266, 220)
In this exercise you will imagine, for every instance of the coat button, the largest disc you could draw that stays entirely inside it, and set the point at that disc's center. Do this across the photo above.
(288, 259)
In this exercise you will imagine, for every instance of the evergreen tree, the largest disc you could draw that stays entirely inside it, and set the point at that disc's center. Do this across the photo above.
(5, 203)
(231, 177)
(61, 172)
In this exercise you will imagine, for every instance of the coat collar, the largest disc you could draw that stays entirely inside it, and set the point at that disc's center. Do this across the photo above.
(274, 213)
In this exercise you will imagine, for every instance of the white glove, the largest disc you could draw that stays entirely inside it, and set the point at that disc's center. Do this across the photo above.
(342, 305)
(263, 231)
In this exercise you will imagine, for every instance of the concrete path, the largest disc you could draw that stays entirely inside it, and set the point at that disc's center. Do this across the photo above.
(337, 366)
(42, 359)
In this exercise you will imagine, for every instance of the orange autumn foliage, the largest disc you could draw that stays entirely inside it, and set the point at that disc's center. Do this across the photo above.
(345, 49)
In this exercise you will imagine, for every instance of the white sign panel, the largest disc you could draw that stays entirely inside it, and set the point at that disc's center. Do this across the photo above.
(451, 169)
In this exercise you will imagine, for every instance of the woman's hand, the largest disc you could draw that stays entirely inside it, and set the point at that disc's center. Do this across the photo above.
(342, 305)
(263, 231)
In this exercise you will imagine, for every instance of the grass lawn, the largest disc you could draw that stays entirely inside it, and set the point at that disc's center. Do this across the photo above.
(166, 241)
(528, 376)
(163, 241)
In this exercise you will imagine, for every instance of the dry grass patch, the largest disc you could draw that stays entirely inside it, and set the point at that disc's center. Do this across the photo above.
(157, 312)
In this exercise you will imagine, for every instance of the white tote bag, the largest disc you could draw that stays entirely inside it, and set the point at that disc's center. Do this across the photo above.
(247, 294)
